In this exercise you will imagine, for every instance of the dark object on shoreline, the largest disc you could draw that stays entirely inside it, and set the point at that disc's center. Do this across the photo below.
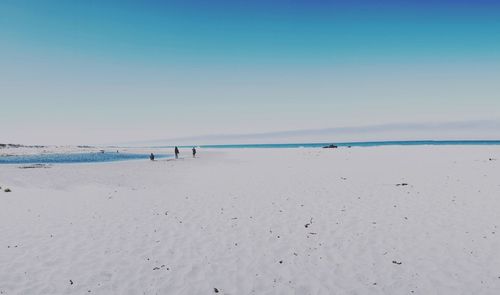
(194, 152)
(7, 190)
(216, 290)
(332, 146)
(12, 145)
(396, 262)
(402, 184)
(176, 151)
(34, 166)
(152, 157)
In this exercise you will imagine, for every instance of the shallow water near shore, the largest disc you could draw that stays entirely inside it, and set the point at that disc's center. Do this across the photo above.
(62, 158)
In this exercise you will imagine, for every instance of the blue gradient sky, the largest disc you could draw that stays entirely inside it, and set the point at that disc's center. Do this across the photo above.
(117, 71)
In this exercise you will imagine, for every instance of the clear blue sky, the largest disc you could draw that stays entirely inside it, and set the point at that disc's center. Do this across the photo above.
(117, 71)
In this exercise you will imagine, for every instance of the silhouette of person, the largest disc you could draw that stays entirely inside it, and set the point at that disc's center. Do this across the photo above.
(176, 150)
(152, 157)
(194, 152)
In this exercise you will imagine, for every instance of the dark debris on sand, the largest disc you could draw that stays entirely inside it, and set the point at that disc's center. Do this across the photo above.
(309, 224)
(35, 166)
(160, 267)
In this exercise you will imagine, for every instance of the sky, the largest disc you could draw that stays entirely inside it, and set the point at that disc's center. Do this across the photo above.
(109, 72)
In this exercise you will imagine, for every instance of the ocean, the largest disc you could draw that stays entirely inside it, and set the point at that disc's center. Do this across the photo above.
(350, 144)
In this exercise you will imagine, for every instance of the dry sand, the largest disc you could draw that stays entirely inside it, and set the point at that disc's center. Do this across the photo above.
(257, 221)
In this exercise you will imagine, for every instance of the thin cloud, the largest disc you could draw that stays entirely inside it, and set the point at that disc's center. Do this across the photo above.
(478, 129)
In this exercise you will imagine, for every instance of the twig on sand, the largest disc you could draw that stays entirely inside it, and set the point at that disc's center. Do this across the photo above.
(308, 224)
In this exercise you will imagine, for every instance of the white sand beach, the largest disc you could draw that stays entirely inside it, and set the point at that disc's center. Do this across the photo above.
(257, 221)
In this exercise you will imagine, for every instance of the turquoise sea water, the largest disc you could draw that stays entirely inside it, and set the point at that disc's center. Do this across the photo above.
(356, 144)
(75, 158)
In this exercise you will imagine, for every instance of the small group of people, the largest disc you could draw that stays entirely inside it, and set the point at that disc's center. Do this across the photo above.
(176, 151)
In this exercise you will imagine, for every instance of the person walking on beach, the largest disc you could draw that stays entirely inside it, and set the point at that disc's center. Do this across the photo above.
(152, 157)
(176, 150)
(194, 152)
